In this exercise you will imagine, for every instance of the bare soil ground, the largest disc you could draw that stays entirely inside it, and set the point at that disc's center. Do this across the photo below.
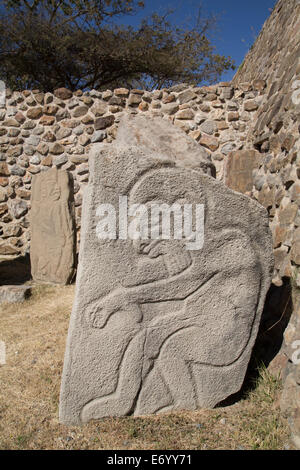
(35, 332)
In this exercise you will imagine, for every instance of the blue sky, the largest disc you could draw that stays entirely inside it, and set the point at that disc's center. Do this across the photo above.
(239, 22)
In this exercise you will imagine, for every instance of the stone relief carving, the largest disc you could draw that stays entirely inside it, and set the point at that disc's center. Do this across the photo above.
(52, 247)
(157, 327)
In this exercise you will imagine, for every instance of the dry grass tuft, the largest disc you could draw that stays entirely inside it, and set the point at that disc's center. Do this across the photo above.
(35, 333)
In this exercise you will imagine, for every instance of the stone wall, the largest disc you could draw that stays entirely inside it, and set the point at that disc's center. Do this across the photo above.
(274, 63)
(42, 130)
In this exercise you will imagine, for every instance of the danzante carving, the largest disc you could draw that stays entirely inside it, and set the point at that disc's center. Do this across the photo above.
(155, 326)
(52, 249)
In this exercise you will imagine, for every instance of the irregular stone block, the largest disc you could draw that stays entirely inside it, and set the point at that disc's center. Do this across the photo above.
(209, 127)
(63, 93)
(12, 294)
(156, 326)
(250, 105)
(52, 249)
(186, 96)
(104, 122)
(210, 142)
(160, 137)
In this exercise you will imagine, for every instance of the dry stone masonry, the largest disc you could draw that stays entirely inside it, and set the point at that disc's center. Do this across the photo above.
(157, 326)
(273, 68)
(39, 131)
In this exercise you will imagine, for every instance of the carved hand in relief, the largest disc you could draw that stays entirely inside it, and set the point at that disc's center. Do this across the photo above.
(100, 312)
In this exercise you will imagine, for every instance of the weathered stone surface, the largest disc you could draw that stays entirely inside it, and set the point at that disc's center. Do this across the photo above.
(12, 294)
(52, 227)
(259, 85)
(153, 325)
(233, 116)
(80, 111)
(185, 114)
(134, 99)
(57, 149)
(99, 108)
(227, 93)
(98, 136)
(18, 208)
(186, 96)
(170, 108)
(104, 122)
(287, 214)
(209, 142)
(63, 93)
(60, 159)
(160, 137)
(34, 113)
(209, 127)
(273, 67)
(47, 120)
(4, 169)
(238, 170)
(123, 92)
(250, 105)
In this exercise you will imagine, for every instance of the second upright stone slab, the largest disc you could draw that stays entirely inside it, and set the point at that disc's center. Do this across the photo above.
(52, 247)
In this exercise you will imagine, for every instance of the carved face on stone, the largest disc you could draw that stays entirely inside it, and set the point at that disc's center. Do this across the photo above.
(162, 195)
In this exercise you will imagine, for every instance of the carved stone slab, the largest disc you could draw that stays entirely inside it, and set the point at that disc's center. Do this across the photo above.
(52, 247)
(238, 170)
(155, 326)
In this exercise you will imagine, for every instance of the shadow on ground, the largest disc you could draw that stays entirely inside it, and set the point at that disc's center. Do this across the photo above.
(275, 318)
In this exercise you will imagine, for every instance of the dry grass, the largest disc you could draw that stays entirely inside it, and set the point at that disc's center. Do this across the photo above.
(35, 333)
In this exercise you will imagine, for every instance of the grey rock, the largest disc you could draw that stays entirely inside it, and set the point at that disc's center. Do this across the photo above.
(209, 127)
(98, 136)
(38, 130)
(33, 140)
(95, 94)
(258, 182)
(179, 87)
(29, 150)
(29, 125)
(63, 132)
(35, 159)
(170, 108)
(12, 294)
(227, 148)
(162, 138)
(60, 159)
(18, 208)
(200, 117)
(17, 170)
(227, 93)
(155, 326)
(232, 106)
(186, 96)
(79, 130)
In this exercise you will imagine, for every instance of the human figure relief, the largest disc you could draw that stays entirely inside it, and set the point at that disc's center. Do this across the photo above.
(52, 244)
(183, 288)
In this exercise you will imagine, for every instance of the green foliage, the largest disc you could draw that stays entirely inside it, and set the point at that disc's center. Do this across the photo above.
(46, 44)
